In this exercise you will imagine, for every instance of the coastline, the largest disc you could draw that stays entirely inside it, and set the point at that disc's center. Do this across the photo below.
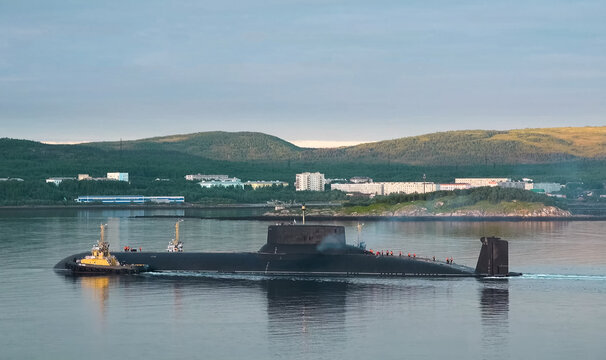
(388, 218)
(291, 217)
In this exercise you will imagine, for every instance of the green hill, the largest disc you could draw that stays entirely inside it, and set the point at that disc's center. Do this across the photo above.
(218, 145)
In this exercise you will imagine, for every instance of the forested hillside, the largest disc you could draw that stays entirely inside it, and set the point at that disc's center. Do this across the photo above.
(218, 145)
(470, 147)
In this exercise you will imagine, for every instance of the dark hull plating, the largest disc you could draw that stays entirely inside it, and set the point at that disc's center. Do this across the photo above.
(313, 264)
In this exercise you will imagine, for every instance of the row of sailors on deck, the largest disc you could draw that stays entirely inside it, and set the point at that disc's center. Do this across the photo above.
(414, 255)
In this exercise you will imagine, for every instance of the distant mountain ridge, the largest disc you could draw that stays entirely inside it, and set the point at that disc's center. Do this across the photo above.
(465, 147)
(217, 145)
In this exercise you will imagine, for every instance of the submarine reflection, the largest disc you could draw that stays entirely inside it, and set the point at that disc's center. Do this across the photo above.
(311, 311)
(494, 310)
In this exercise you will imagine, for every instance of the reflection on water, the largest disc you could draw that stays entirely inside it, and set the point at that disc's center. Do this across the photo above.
(555, 311)
(97, 288)
(303, 313)
(494, 309)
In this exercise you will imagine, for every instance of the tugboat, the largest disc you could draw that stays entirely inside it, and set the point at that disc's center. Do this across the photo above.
(175, 245)
(101, 262)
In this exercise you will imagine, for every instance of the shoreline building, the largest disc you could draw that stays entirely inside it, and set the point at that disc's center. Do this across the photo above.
(452, 187)
(227, 182)
(203, 177)
(262, 183)
(11, 179)
(360, 188)
(130, 199)
(479, 182)
(360, 180)
(117, 176)
(548, 188)
(310, 182)
(408, 187)
(522, 185)
(58, 180)
(112, 176)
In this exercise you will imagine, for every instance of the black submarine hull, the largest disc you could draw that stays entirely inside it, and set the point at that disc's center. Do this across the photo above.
(289, 264)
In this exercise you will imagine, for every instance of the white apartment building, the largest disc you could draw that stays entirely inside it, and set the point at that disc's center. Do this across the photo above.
(452, 187)
(408, 187)
(362, 188)
(310, 182)
(479, 182)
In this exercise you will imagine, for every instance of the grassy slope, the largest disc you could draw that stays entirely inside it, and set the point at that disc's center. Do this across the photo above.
(480, 146)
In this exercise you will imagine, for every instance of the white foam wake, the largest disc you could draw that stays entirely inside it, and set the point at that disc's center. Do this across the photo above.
(563, 277)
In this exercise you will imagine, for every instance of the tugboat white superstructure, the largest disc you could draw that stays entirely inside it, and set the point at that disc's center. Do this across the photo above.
(175, 245)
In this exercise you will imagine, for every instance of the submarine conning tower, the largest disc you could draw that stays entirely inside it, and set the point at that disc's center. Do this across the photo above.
(304, 238)
(494, 257)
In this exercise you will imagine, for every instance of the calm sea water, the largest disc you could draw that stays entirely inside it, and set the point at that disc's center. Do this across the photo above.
(556, 311)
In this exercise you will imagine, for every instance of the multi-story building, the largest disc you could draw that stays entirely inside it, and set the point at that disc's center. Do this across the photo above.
(452, 187)
(360, 188)
(310, 182)
(479, 182)
(203, 177)
(118, 176)
(261, 183)
(408, 187)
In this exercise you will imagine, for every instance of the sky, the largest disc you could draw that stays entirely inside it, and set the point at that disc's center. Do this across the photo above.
(305, 71)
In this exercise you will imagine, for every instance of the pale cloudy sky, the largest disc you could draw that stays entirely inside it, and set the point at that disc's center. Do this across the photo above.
(327, 70)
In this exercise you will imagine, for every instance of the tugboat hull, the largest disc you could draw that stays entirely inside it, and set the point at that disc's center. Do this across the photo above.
(87, 269)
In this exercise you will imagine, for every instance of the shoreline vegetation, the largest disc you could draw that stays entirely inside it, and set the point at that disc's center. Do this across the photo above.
(479, 204)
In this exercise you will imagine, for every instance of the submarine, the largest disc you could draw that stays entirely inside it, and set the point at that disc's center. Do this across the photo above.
(313, 250)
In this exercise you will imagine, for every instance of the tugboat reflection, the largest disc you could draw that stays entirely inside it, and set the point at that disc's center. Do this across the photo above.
(97, 288)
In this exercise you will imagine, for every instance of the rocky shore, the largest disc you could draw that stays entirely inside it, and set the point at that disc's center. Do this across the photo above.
(419, 211)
